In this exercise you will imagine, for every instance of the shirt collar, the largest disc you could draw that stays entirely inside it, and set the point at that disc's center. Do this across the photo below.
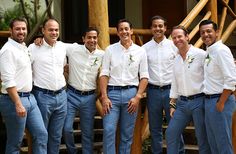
(18, 45)
(130, 47)
(47, 45)
(214, 46)
(160, 43)
(87, 51)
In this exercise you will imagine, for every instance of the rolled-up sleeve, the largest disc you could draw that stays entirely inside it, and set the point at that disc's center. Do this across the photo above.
(105, 70)
(8, 65)
(227, 67)
(143, 66)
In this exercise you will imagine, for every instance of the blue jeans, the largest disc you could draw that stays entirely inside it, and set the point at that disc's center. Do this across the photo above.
(186, 111)
(53, 109)
(157, 100)
(219, 125)
(86, 106)
(15, 125)
(118, 112)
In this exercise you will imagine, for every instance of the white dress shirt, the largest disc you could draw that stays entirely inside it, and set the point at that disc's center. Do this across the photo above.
(160, 61)
(83, 67)
(15, 67)
(124, 66)
(48, 65)
(219, 69)
(188, 74)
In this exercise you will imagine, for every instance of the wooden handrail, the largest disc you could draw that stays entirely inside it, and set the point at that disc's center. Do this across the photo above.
(112, 31)
(228, 31)
(222, 21)
(4, 33)
(196, 28)
(231, 12)
(192, 15)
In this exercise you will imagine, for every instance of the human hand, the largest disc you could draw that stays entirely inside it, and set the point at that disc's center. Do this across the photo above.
(38, 41)
(133, 105)
(172, 110)
(20, 110)
(220, 106)
(106, 105)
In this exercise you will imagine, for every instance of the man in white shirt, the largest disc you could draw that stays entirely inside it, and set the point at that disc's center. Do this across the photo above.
(48, 61)
(17, 105)
(219, 83)
(84, 64)
(186, 88)
(123, 79)
(161, 53)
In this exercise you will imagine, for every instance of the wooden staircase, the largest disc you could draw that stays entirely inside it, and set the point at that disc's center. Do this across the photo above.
(98, 132)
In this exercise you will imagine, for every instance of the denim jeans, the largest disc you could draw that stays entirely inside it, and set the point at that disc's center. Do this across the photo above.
(118, 113)
(219, 125)
(157, 101)
(86, 106)
(186, 111)
(53, 109)
(15, 125)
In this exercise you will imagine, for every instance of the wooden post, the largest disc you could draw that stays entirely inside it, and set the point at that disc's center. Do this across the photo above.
(136, 147)
(234, 132)
(212, 6)
(98, 17)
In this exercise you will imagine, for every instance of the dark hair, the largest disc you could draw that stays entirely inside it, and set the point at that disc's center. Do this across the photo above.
(124, 20)
(46, 20)
(90, 29)
(180, 27)
(207, 22)
(156, 17)
(22, 19)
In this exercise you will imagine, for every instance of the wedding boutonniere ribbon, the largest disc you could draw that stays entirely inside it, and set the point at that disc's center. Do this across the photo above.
(95, 62)
(208, 59)
(131, 60)
(189, 60)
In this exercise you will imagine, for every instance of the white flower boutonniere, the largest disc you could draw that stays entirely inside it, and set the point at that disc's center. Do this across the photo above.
(95, 62)
(208, 59)
(131, 60)
(189, 60)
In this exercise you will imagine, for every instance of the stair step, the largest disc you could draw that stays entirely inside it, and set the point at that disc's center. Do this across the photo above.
(187, 128)
(77, 119)
(96, 131)
(96, 145)
(186, 146)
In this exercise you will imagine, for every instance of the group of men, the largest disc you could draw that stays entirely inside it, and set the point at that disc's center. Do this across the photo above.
(187, 82)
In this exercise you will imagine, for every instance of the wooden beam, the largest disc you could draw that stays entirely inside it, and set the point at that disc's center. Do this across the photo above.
(136, 147)
(234, 132)
(192, 15)
(112, 31)
(229, 31)
(196, 28)
(212, 6)
(98, 17)
(4, 33)
(222, 21)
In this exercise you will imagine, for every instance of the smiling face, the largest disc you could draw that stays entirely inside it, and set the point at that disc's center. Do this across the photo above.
(51, 31)
(208, 34)
(19, 31)
(124, 32)
(179, 38)
(90, 40)
(158, 29)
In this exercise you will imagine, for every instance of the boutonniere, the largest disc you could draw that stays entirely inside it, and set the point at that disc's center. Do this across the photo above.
(95, 62)
(131, 59)
(189, 60)
(208, 59)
